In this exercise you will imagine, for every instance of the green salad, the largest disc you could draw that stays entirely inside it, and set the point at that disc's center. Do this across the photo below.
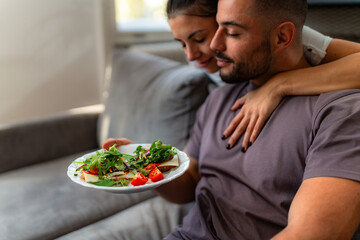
(113, 168)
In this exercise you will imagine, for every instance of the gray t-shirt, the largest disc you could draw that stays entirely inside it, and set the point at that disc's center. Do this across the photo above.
(248, 195)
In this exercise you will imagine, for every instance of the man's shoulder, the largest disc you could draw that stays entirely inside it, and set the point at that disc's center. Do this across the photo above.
(337, 105)
(352, 96)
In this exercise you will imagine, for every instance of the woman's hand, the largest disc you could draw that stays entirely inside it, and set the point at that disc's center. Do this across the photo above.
(120, 141)
(257, 107)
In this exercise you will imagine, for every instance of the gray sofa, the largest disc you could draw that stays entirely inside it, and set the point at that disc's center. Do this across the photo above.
(147, 98)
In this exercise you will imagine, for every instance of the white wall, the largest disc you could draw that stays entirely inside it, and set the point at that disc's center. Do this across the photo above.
(52, 55)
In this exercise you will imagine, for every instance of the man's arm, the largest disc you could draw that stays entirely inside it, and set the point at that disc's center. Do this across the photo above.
(324, 208)
(182, 189)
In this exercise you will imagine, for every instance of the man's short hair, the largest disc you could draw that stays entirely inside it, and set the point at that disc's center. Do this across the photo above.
(278, 11)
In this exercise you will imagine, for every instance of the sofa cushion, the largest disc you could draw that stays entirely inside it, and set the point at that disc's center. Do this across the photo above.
(152, 219)
(41, 202)
(44, 139)
(150, 97)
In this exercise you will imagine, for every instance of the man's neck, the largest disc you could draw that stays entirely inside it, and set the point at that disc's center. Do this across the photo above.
(284, 67)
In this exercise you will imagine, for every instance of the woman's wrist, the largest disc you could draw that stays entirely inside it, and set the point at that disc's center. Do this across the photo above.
(276, 86)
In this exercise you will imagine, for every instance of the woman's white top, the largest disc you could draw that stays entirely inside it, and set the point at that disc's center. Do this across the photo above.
(315, 45)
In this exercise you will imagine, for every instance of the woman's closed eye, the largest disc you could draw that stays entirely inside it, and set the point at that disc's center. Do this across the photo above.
(199, 40)
(183, 45)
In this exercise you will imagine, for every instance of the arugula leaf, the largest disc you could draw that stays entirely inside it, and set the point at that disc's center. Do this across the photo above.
(127, 157)
(124, 182)
(106, 160)
(105, 183)
(139, 150)
(160, 152)
(157, 153)
(109, 182)
(113, 151)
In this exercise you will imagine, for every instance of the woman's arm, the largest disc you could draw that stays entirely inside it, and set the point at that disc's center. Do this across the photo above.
(341, 70)
(343, 73)
(339, 48)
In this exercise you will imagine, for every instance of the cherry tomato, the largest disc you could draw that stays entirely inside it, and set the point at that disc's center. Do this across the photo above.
(156, 175)
(150, 167)
(139, 179)
(93, 171)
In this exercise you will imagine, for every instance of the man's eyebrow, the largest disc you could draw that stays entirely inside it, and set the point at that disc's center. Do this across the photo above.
(232, 23)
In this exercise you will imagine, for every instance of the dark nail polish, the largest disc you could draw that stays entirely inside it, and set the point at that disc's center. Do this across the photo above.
(243, 150)
(250, 143)
(223, 137)
(228, 146)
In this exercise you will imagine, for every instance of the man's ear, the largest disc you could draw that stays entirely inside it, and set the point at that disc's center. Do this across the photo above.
(284, 36)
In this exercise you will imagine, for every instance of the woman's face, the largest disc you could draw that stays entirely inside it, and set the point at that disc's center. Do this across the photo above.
(195, 35)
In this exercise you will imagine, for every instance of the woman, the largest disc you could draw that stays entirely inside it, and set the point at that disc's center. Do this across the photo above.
(193, 24)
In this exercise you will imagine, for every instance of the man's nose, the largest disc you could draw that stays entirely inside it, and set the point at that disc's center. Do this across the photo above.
(218, 43)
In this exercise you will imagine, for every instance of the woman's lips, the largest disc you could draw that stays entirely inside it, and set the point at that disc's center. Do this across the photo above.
(205, 63)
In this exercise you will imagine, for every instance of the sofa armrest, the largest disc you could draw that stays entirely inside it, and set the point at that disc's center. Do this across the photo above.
(27, 143)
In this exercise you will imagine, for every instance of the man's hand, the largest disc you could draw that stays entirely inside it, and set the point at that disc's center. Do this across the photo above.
(119, 141)
(324, 208)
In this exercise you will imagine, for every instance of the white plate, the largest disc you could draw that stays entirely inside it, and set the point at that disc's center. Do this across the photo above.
(129, 149)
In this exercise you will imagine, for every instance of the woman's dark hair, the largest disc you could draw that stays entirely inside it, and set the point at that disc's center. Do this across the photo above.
(199, 8)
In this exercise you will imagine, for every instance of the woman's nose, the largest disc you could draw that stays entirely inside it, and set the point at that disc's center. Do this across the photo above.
(193, 54)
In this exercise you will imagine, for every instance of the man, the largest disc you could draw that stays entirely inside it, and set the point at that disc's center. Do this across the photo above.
(301, 178)
(316, 131)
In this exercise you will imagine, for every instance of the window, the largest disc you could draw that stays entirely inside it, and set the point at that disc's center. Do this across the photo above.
(310, 2)
(140, 21)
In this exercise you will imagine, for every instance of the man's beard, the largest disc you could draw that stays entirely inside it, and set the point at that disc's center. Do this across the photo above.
(254, 66)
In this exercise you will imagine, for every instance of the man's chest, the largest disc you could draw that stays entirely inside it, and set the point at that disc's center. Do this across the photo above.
(275, 161)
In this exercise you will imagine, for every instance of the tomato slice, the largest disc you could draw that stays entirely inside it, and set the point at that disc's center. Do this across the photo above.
(94, 171)
(139, 179)
(150, 167)
(156, 175)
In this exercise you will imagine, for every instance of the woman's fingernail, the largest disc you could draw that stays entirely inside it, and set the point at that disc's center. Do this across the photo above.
(228, 146)
(223, 137)
(250, 143)
(243, 149)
